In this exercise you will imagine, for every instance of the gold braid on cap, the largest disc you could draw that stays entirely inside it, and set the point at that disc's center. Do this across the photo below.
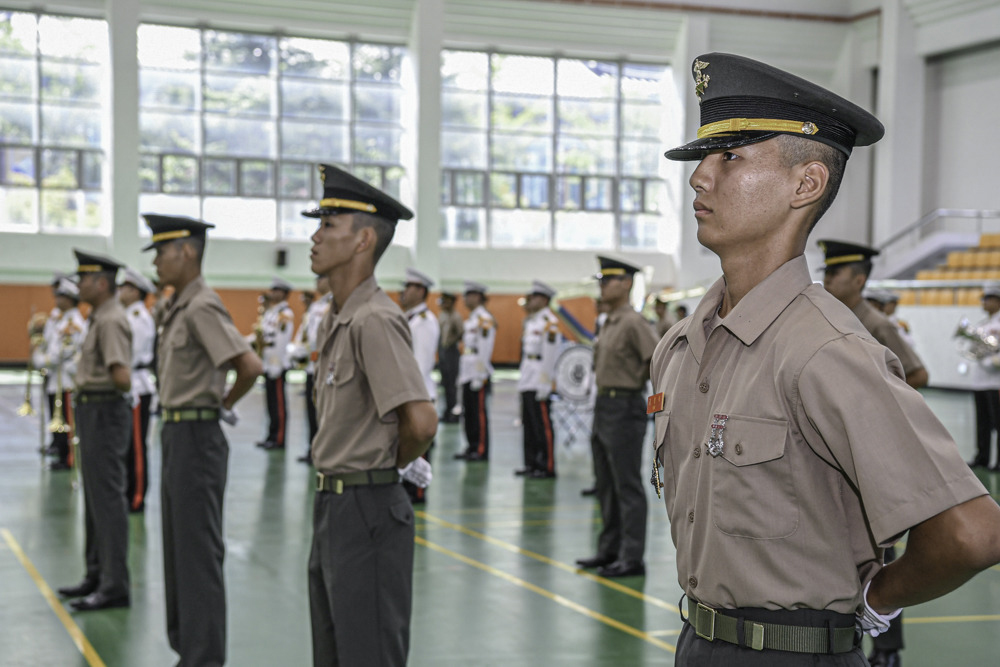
(169, 236)
(89, 268)
(844, 259)
(731, 125)
(612, 272)
(347, 203)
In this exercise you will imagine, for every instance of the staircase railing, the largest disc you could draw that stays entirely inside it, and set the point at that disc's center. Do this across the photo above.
(937, 219)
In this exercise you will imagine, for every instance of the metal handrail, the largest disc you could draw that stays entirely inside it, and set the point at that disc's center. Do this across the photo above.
(937, 214)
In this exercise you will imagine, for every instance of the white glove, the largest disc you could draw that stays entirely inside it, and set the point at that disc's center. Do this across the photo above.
(476, 385)
(229, 416)
(872, 622)
(418, 472)
(541, 397)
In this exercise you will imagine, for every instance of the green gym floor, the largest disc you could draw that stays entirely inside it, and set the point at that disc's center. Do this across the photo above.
(494, 580)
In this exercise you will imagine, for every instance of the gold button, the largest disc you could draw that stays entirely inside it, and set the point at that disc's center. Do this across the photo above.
(690, 517)
(693, 582)
(703, 387)
(739, 448)
(697, 452)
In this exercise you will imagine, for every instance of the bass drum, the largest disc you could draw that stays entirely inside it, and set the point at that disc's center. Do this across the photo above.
(575, 373)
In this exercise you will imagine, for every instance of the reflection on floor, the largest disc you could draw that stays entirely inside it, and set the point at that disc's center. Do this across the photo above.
(494, 577)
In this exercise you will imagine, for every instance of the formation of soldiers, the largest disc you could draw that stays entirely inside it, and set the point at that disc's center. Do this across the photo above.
(782, 505)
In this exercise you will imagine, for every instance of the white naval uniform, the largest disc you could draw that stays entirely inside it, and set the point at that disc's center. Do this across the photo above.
(143, 344)
(63, 334)
(479, 334)
(277, 325)
(539, 350)
(425, 332)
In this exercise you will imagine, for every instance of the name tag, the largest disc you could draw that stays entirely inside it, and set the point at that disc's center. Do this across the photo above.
(654, 403)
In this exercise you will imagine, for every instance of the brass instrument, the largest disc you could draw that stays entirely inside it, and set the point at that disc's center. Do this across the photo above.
(976, 343)
(36, 327)
(258, 326)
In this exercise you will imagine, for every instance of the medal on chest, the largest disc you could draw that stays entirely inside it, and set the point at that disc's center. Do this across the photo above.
(329, 374)
(654, 404)
(715, 443)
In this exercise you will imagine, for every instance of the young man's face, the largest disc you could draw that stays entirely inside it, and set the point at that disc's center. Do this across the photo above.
(169, 262)
(741, 196)
(842, 282)
(615, 288)
(334, 243)
(412, 295)
(472, 300)
(91, 287)
(991, 304)
(128, 294)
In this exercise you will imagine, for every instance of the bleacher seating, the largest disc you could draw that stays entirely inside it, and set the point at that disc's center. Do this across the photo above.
(981, 262)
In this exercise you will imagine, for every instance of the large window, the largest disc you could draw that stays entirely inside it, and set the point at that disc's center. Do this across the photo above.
(233, 125)
(52, 107)
(552, 152)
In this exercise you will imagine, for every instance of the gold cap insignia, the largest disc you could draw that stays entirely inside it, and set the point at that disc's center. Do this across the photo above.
(322, 173)
(700, 79)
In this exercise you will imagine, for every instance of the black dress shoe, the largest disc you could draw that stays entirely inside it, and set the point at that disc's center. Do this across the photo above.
(521, 472)
(977, 463)
(474, 456)
(263, 443)
(541, 474)
(461, 456)
(595, 561)
(85, 587)
(623, 568)
(884, 659)
(59, 465)
(96, 601)
(592, 491)
(271, 445)
(305, 458)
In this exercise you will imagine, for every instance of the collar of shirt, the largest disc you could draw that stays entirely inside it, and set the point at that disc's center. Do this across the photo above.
(755, 312)
(105, 308)
(416, 310)
(617, 313)
(189, 292)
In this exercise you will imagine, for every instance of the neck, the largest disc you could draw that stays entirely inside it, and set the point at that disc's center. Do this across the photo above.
(852, 300)
(344, 280)
(100, 299)
(745, 270)
(615, 304)
(185, 280)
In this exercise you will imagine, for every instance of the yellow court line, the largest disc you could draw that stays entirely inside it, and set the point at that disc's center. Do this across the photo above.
(513, 548)
(952, 619)
(558, 599)
(82, 643)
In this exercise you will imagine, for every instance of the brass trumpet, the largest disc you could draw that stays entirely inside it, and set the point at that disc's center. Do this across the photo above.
(974, 342)
(258, 326)
(36, 336)
(58, 424)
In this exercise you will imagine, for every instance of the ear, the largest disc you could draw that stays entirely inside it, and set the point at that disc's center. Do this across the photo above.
(366, 241)
(812, 180)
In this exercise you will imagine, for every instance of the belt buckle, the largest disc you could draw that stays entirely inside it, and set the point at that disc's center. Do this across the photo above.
(338, 487)
(708, 614)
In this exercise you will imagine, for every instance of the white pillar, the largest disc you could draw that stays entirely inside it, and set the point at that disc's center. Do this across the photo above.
(901, 102)
(123, 156)
(425, 50)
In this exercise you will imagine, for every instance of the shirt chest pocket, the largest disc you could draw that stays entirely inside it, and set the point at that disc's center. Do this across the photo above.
(753, 488)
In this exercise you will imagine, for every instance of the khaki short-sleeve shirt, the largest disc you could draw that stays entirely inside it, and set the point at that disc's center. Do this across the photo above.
(197, 339)
(623, 350)
(887, 333)
(826, 453)
(108, 342)
(366, 369)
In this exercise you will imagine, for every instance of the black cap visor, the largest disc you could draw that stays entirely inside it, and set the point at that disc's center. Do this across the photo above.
(699, 148)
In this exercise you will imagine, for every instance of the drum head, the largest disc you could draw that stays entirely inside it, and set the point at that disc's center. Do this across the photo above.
(575, 372)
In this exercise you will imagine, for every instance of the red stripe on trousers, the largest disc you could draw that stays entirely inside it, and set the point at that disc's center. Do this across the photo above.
(280, 386)
(482, 420)
(68, 409)
(548, 437)
(140, 463)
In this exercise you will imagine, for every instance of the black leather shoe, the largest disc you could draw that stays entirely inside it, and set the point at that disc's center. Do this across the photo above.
(271, 445)
(521, 472)
(885, 659)
(461, 456)
(541, 474)
(977, 463)
(264, 443)
(473, 456)
(595, 561)
(85, 587)
(305, 458)
(59, 465)
(592, 491)
(96, 601)
(623, 568)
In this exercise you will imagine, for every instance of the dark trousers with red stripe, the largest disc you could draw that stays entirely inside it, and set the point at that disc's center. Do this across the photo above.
(539, 440)
(311, 411)
(277, 409)
(477, 419)
(61, 441)
(137, 465)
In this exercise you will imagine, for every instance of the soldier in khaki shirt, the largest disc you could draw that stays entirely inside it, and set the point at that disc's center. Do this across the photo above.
(449, 355)
(198, 344)
(846, 270)
(793, 451)
(104, 424)
(621, 368)
(375, 416)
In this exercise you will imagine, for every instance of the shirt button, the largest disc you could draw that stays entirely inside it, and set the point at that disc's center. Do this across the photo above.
(739, 448)
(703, 387)
(697, 452)
(690, 517)
(693, 582)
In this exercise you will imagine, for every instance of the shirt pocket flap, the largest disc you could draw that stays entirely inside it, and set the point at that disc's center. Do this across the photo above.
(752, 440)
(343, 373)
